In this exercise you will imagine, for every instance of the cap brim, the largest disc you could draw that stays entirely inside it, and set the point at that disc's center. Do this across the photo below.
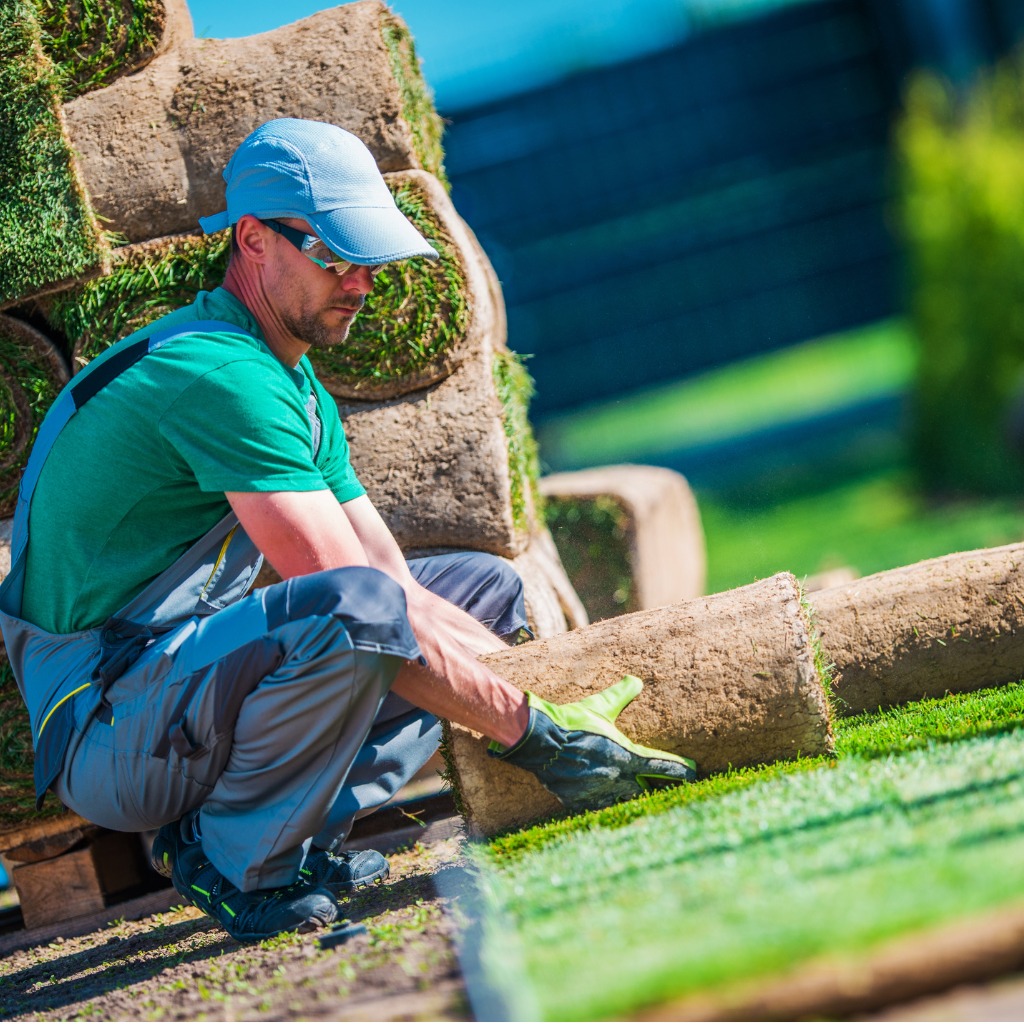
(370, 234)
(215, 222)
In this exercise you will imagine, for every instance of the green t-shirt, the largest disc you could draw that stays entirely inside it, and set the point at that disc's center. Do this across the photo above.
(139, 474)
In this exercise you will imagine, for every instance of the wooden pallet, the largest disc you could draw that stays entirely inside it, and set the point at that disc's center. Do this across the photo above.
(66, 867)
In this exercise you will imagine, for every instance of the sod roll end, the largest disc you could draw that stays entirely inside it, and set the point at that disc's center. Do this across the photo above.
(50, 231)
(630, 536)
(423, 316)
(729, 680)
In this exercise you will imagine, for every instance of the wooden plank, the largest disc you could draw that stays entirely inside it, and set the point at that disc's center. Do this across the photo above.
(57, 889)
(79, 881)
(45, 846)
(41, 830)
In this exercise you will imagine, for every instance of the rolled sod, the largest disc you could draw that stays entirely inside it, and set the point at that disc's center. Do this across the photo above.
(32, 372)
(945, 625)
(51, 235)
(729, 680)
(145, 282)
(436, 463)
(95, 42)
(423, 316)
(153, 145)
(630, 537)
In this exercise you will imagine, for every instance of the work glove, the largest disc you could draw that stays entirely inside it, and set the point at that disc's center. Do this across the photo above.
(578, 754)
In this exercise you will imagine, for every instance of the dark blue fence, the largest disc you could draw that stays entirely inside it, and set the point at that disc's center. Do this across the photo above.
(718, 199)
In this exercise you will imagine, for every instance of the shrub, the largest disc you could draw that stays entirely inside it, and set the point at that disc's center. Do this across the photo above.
(962, 211)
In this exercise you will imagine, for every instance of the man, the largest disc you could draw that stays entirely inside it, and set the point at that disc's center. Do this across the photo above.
(252, 730)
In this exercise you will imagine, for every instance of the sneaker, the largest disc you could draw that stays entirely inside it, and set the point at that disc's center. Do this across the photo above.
(246, 916)
(162, 851)
(344, 871)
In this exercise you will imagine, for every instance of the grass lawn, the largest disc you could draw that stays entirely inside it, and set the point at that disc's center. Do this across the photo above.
(873, 521)
(916, 822)
(852, 502)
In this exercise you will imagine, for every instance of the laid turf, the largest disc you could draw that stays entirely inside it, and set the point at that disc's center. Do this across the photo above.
(917, 822)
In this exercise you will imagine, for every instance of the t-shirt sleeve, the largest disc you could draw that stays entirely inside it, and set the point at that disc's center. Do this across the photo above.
(333, 458)
(242, 427)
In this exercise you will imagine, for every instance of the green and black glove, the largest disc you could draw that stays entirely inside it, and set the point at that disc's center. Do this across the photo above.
(576, 751)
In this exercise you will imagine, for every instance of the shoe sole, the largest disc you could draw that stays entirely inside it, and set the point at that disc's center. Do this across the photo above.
(345, 888)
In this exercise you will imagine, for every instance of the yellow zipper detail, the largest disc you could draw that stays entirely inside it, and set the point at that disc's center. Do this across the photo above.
(220, 558)
(84, 686)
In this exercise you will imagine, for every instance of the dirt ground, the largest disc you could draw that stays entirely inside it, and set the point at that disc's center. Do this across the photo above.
(179, 965)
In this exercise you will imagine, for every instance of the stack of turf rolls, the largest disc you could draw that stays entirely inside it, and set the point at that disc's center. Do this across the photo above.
(105, 175)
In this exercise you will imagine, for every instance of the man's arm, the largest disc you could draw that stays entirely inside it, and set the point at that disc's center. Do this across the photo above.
(575, 750)
(301, 532)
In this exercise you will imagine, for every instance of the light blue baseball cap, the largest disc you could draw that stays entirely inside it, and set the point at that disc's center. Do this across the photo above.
(325, 176)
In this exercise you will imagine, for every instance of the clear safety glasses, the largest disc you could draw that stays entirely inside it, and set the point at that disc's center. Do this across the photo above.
(316, 250)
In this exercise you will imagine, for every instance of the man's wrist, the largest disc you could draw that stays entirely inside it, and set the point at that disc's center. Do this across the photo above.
(512, 728)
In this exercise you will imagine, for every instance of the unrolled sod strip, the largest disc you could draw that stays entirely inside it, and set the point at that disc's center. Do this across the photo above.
(946, 625)
(729, 680)
(153, 145)
(32, 372)
(937, 960)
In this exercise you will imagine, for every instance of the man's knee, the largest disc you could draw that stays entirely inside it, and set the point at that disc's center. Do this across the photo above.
(485, 586)
(369, 604)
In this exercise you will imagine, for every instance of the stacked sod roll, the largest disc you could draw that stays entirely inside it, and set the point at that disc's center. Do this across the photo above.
(152, 146)
(434, 401)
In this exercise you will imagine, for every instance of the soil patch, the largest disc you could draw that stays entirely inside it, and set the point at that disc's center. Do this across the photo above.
(179, 965)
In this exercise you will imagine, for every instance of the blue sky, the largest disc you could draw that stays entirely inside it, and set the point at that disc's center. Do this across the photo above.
(473, 49)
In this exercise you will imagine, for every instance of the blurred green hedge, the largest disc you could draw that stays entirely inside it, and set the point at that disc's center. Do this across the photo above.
(961, 160)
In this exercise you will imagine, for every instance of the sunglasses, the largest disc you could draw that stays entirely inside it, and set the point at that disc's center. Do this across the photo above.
(315, 249)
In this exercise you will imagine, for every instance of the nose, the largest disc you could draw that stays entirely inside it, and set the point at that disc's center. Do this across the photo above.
(358, 279)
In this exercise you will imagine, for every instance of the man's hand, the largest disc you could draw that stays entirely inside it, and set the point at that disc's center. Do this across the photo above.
(578, 754)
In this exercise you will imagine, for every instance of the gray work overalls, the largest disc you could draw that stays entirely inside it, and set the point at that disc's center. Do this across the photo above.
(267, 712)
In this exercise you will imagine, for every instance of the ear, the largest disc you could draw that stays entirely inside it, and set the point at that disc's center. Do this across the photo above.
(251, 238)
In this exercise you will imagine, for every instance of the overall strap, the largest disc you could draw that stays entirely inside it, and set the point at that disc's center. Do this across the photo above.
(84, 387)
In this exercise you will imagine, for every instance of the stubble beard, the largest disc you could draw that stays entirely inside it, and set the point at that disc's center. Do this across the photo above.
(312, 329)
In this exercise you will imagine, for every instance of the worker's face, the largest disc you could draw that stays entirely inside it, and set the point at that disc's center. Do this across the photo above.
(316, 304)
